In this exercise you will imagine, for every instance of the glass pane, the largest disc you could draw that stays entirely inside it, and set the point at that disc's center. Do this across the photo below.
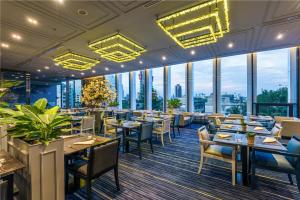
(112, 80)
(74, 95)
(140, 90)
(43, 89)
(77, 101)
(125, 90)
(234, 84)
(273, 80)
(178, 84)
(203, 86)
(158, 88)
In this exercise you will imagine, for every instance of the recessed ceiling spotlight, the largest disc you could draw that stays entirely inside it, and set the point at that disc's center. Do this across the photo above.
(122, 66)
(32, 21)
(4, 45)
(16, 36)
(279, 36)
(82, 73)
(47, 67)
(141, 62)
(106, 68)
(38, 70)
(230, 45)
(59, 1)
(193, 52)
(82, 12)
(56, 64)
(93, 71)
(72, 75)
(164, 58)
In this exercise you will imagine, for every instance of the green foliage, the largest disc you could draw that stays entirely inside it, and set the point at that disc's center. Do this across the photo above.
(35, 123)
(250, 134)
(157, 102)
(113, 104)
(5, 86)
(174, 103)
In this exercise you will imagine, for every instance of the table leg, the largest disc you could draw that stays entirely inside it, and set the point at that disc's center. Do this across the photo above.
(127, 142)
(10, 186)
(245, 164)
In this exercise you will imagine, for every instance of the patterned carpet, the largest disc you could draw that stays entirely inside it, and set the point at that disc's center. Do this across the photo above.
(171, 173)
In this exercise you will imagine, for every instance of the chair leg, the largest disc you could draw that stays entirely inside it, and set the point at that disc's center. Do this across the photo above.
(140, 150)
(117, 178)
(290, 179)
(200, 164)
(170, 137)
(298, 180)
(173, 131)
(233, 172)
(178, 130)
(89, 189)
(151, 146)
(162, 139)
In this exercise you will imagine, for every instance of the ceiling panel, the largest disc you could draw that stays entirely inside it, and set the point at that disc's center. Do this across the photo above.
(281, 9)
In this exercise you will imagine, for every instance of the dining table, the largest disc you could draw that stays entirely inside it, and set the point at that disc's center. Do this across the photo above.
(243, 129)
(8, 166)
(239, 122)
(237, 139)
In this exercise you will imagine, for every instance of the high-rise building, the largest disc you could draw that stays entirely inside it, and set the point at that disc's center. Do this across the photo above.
(178, 91)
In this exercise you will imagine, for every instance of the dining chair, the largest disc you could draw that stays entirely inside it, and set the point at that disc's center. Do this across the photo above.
(175, 124)
(108, 129)
(279, 161)
(102, 158)
(209, 149)
(162, 129)
(276, 131)
(143, 134)
(87, 125)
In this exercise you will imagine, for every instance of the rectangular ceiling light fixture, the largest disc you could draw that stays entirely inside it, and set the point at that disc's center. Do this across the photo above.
(117, 48)
(199, 25)
(75, 62)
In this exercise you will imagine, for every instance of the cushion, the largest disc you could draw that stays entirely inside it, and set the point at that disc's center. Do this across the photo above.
(186, 118)
(218, 150)
(273, 161)
(204, 136)
(218, 122)
(293, 146)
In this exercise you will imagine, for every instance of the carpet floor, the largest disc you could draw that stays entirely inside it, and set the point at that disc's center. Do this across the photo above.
(171, 173)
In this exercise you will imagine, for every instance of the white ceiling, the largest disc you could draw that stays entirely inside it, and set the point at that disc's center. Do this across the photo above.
(254, 26)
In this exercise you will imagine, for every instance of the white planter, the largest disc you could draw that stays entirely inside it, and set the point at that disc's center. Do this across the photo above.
(3, 140)
(43, 175)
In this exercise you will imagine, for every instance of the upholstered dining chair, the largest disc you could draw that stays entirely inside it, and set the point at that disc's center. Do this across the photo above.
(143, 134)
(276, 131)
(109, 130)
(279, 161)
(175, 124)
(102, 159)
(87, 125)
(209, 149)
(162, 129)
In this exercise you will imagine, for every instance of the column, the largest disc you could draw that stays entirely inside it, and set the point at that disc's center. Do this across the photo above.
(251, 82)
(148, 89)
(190, 87)
(132, 90)
(167, 85)
(28, 88)
(217, 85)
(119, 89)
(67, 94)
(292, 98)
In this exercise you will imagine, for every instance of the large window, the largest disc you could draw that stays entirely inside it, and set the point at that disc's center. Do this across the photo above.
(140, 90)
(112, 80)
(234, 84)
(178, 84)
(125, 90)
(74, 94)
(203, 86)
(158, 88)
(273, 81)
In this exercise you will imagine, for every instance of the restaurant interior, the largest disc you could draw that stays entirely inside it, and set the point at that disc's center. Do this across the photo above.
(156, 99)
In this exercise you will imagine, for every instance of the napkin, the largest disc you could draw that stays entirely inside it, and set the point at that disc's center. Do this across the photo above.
(86, 142)
(269, 140)
(221, 135)
(228, 126)
(67, 136)
(258, 128)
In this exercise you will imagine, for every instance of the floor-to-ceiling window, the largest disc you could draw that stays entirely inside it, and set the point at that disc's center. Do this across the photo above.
(74, 94)
(125, 90)
(273, 81)
(140, 89)
(158, 88)
(178, 73)
(234, 84)
(203, 86)
(112, 80)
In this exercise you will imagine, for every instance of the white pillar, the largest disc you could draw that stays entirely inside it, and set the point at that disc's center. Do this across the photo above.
(217, 85)
(167, 85)
(132, 90)
(251, 82)
(119, 89)
(148, 89)
(189, 87)
(292, 98)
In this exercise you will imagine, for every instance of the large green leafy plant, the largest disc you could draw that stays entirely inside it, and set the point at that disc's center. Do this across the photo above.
(35, 123)
(174, 103)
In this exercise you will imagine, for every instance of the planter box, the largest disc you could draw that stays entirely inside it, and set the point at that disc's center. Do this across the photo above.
(43, 175)
(3, 141)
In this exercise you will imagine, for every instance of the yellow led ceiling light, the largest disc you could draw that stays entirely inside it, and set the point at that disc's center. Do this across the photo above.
(199, 25)
(75, 62)
(117, 48)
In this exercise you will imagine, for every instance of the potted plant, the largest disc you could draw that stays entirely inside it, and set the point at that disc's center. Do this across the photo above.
(250, 137)
(34, 140)
(173, 104)
(243, 124)
(113, 105)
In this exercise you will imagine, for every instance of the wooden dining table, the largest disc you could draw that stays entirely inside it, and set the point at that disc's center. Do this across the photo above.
(241, 129)
(8, 166)
(240, 140)
(238, 122)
